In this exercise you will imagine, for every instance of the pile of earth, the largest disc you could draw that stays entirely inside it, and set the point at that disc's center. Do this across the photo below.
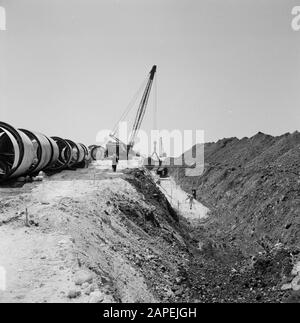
(92, 236)
(252, 187)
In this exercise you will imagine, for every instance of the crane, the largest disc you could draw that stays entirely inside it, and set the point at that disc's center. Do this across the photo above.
(140, 114)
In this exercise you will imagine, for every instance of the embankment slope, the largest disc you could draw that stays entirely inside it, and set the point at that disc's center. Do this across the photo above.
(93, 236)
(252, 186)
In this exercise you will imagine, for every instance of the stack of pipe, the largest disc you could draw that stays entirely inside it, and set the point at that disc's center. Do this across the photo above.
(26, 153)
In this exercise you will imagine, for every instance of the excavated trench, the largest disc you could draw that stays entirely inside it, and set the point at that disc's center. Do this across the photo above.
(251, 186)
(96, 236)
(216, 270)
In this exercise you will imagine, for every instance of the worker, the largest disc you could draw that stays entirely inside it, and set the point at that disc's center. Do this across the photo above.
(191, 200)
(115, 161)
(194, 194)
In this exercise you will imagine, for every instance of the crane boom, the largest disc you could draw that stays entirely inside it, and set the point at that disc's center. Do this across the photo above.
(142, 109)
(138, 119)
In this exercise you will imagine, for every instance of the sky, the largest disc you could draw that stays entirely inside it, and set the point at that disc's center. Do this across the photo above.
(229, 67)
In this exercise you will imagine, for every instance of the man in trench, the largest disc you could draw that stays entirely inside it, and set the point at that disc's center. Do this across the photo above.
(194, 194)
(191, 200)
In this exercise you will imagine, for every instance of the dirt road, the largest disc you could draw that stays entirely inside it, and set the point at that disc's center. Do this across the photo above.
(38, 265)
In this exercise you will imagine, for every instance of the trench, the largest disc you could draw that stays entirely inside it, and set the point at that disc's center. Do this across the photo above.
(219, 271)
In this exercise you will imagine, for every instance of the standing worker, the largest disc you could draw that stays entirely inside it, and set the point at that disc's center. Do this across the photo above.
(191, 200)
(194, 194)
(115, 161)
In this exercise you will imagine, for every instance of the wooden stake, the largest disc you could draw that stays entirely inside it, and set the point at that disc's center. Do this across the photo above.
(26, 218)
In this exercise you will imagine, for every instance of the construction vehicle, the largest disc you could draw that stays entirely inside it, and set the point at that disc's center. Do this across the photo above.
(155, 162)
(123, 150)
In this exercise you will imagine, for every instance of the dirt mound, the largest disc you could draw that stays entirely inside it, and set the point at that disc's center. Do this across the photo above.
(252, 186)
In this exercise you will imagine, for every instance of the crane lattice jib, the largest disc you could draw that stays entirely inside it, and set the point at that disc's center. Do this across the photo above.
(142, 108)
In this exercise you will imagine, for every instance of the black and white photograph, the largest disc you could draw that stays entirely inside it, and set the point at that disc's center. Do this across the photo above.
(149, 154)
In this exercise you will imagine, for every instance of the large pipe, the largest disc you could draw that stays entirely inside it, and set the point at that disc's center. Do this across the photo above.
(46, 150)
(79, 154)
(91, 147)
(55, 153)
(23, 152)
(17, 154)
(82, 153)
(97, 152)
(76, 153)
(86, 151)
(70, 155)
(65, 155)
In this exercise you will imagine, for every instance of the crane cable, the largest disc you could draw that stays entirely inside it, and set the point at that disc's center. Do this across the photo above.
(155, 103)
(129, 106)
(155, 126)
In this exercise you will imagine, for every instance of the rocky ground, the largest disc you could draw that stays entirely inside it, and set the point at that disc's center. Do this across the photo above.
(92, 236)
(95, 236)
(252, 236)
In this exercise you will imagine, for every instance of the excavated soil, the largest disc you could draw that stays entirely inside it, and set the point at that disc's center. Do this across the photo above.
(91, 236)
(95, 236)
(252, 236)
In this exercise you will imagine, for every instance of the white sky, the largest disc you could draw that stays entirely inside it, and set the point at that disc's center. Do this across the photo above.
(229, 67)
